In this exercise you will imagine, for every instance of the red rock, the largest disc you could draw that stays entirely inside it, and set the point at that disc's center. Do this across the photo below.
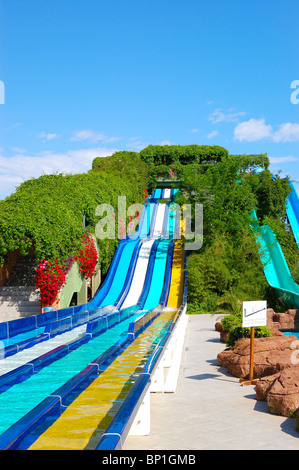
(281, 391)
(270, 356)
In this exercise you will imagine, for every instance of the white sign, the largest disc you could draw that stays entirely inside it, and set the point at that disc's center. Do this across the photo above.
(254, 314)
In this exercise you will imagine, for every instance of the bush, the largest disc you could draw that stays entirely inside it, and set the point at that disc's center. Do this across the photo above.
(47, 212)
(155, 155)
(237, 332)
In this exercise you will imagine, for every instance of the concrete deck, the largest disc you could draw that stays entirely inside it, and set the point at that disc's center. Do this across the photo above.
(210, 409)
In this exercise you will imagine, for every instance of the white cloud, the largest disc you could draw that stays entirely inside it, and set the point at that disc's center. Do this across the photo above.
(19, 168)
(193, 131)
(252, 130)
(112, 139)
(287, 159)
(257, 129)
(287, 132)
(45, 136)
(18, 150)
(219, 116)
(89, 135)
(212, 134)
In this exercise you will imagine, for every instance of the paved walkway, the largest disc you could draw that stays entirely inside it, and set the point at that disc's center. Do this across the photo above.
(210, 410)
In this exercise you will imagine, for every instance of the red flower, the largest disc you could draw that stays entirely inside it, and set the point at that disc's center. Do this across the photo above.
(49, 279)
(87, 258)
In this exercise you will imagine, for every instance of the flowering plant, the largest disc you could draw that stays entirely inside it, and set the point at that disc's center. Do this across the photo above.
(49, 279)
(87, 258)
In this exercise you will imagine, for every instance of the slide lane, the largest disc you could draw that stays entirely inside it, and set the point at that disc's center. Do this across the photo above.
(292, 208)
(85, 420)
(152, 296)
(177, 276)
(275, 266)
(109, 292)
(135, 289)
(135, 286)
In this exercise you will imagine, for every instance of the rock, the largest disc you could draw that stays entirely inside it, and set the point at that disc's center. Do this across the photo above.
(271, 355)
(223, 333)
(281, 391)
(288, 320)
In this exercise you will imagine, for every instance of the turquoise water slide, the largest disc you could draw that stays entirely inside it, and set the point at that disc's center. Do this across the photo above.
(275, 266)
(292, 207)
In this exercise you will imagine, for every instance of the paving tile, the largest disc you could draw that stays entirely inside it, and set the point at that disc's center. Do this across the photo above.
(210, 410)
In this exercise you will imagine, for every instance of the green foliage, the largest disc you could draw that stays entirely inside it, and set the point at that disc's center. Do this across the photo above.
(229, 259)
(155, 155)
(232, 323)
(237, 332)
(47, 212)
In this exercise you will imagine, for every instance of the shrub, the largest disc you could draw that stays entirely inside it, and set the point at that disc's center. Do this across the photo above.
(237, 332)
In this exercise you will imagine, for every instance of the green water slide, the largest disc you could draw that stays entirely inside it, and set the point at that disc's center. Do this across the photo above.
(275, 266)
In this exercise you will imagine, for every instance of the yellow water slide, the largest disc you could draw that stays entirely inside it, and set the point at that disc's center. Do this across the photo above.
(175, 297)
(177, 276)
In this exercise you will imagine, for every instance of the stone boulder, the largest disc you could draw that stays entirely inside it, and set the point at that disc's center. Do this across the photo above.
(271, 355)
(223, 333)
(281, 391)
(288, 320)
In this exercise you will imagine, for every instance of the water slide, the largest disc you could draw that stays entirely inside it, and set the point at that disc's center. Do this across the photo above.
(274, 263)
(144, 272)
(275, 266)
(292, 208)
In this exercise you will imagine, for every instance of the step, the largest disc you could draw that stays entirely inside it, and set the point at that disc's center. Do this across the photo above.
(19, 292)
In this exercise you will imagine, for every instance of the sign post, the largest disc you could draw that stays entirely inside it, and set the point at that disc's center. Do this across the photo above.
(254, 314)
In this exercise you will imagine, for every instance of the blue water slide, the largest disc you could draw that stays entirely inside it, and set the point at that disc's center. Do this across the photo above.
(167, 277)
(99, 297)
(173, 193)
(129, 275)
(153, 288)
(119, 278)
(157, 193)
(146, 223)
(149, 274)
(292, 208)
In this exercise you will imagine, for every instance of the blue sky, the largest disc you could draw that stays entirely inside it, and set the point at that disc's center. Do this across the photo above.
(85, 78)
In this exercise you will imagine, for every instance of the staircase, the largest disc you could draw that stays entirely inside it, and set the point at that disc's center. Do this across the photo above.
(19, 298)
